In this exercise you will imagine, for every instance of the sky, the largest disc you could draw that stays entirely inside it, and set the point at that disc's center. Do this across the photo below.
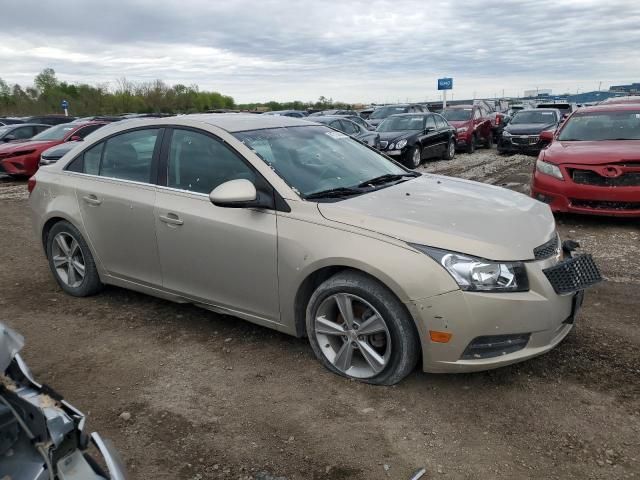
(350, 50)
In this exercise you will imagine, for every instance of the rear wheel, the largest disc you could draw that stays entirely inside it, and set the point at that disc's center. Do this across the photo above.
(71, 261)
(471, 146)
(414, 158)
(450, 152)
(358, 329)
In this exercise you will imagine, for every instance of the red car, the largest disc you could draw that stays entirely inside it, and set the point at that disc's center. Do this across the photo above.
(472, 125)
(20, 158)
(592, 164)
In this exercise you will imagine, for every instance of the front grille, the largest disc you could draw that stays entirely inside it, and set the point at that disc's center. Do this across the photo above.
(525, 140)
(495, 346)
(547, 249)
(589, 177)
(605, 205)
(383, 144)
(574, 274)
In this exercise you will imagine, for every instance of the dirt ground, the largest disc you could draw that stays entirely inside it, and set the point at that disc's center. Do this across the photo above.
(211, 396)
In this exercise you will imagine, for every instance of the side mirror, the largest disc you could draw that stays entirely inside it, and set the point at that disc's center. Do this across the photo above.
(75, 138)
(547, 136)
(239, 193)
(9, 138)
(429, 129)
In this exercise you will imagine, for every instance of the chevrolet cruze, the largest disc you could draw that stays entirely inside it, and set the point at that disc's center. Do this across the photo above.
(298, 227)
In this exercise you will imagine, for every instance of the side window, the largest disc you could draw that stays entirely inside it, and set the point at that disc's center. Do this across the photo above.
(430, 122)
(91, 159)
(348, 127)
(199, 163)
(128, 156)
(40, 128)
(84, 131)
(23, 132)
(440, 123)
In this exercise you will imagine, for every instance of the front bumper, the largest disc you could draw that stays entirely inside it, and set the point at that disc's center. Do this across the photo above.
(19, 166)
(569, 197)
(545, 316)
(508, 144)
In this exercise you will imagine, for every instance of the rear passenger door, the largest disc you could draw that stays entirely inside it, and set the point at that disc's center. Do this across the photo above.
(219, 256)
(116, 195)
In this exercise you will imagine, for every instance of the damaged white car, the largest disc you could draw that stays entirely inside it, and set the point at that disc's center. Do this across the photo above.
(41, 436)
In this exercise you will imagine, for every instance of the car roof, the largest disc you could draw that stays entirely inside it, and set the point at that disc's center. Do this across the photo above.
(611, 107)
(239, 122)
(540, 110)
(459, 106)
(18, 125)
(330, 117)
(411, 114)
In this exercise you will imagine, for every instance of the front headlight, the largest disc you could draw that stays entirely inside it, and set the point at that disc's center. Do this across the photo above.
(462, 129)
(505, 133)
(401, 144)
(479, 275)
(549, 169)
(391, 146)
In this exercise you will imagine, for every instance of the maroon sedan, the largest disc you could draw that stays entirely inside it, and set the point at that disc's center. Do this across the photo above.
(593, 163)
(21, 158)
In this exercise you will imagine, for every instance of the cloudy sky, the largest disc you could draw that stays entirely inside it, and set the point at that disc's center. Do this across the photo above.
(350, 50)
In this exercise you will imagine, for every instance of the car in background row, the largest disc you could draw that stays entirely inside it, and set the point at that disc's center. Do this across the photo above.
(380, 113)
(22, 158)
(592, 164)
(10, 121)
(625, 99)
(42, 436)
(350, 114)
(365, 112)
(287, 113)
(20, 131)
(565, 108)
(334, 112)
(522, 134)
(498, 121)
(49, 119)
(472, 126)
(344, 125)
(413, 137)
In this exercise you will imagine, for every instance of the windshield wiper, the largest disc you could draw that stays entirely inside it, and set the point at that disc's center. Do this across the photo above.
(386, 178)
(334, 193)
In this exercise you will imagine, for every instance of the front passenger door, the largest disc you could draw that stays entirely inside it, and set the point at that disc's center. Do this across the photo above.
(225, 257)
(430, 138)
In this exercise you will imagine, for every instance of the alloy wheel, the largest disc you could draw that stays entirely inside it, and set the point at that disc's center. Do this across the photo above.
(352, 335)
(68, 259)
(415, 157)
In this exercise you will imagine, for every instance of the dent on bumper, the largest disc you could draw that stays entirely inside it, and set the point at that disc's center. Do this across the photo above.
(468, 315)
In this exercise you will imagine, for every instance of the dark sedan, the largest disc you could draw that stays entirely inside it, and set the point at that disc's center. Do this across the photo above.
(10, 121)
(413, 137)
(352, 129)
(20, 131)
(522, 134)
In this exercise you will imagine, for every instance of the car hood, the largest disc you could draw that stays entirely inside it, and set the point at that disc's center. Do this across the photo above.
(22, 145)
(395, 136)
(459, 123)
(528, 128)
(452, 214)
(593, 153)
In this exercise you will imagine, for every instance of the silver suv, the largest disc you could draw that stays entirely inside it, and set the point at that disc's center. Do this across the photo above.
(297, 227)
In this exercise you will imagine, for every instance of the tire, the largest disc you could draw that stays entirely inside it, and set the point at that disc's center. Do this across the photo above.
(396, 345)
(71, 278)
(414, 157)
(471, 146)
(489, 140)
(450, 152)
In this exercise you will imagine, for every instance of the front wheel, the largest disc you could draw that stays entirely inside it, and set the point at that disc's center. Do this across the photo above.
(414, 157)
(450, 152)
(358, 329)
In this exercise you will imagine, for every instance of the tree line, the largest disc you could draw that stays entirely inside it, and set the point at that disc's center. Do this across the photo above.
(47, 93)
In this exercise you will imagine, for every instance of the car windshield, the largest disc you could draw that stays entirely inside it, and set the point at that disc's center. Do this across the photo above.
(531, 116)
(384, 112)
(602, 126)
(315, 158)
(457, 114)
(401, 123)
(55, 133)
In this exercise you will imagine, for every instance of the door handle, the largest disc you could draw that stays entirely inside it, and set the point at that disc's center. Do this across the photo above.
(92, 200)
(171, 219)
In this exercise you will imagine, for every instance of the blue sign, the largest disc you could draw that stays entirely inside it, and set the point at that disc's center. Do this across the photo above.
(64, 104)
(445, 83)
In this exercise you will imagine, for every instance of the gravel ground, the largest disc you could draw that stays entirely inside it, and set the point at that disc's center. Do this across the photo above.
(189, 394)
